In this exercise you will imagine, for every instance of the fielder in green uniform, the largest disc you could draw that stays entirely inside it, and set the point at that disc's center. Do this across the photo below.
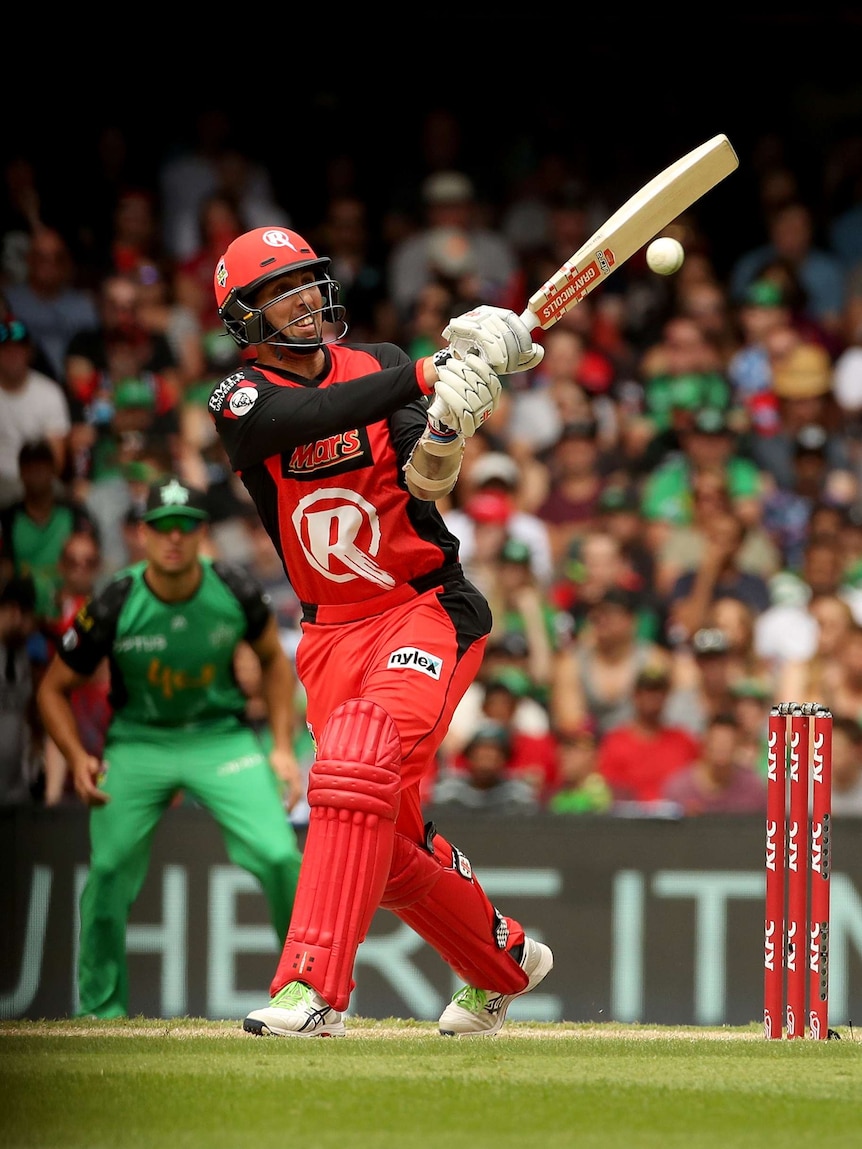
(170, 626)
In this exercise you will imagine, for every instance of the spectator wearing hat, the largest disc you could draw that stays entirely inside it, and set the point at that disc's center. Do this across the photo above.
(763, 310)
(452, 244)
(495, 473)
(710, 444)
(719, 781)
(504, 693)
(637, 756)
(534, 751)
(20, 741)
(32, 406)
(802, 384)
(791, 238)
(703, 679)
(485, 521)
(172, 626)
(581, 789)
(685, 544)
(594, 675)
(487, 784)
(672, 403)
(34, 529)
(620, 517)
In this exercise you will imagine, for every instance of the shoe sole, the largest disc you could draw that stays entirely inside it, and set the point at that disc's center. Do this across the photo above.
(260, 1029)
(543, 968)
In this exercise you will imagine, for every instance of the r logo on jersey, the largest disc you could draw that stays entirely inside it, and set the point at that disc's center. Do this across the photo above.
(411, 658)
(339, 533)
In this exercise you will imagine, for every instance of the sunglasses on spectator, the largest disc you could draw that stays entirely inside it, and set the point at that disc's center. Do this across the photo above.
(181, 523)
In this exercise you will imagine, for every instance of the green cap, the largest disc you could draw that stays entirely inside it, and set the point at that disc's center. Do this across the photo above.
(172, 497)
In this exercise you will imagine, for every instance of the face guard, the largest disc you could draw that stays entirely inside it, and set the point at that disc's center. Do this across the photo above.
(257, 257)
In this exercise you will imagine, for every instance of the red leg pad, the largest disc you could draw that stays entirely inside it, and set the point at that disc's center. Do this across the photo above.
(353, 795)
(439, 897)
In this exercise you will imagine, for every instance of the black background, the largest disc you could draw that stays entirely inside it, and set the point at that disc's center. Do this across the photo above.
(622, 95)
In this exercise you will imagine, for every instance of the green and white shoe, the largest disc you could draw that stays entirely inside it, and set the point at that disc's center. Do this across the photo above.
(297, 1010)
(481, 1012)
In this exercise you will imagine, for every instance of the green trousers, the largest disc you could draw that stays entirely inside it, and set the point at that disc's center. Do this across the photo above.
(225, 772)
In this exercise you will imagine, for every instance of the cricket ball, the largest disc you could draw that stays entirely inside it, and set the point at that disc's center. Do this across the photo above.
(664, 256)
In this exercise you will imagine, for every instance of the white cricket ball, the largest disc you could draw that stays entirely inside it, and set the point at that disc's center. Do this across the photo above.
(664, 256)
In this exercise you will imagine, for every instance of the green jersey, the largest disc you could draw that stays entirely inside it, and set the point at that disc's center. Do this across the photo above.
(172, 664)
(34, 548)
(667, 493)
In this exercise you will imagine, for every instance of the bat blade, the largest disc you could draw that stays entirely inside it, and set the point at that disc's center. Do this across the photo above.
(639, 219)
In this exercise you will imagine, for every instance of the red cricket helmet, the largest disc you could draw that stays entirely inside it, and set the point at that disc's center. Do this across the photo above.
(250, 261)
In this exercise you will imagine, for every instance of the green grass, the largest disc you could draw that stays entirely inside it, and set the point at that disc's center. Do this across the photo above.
(192, 1084)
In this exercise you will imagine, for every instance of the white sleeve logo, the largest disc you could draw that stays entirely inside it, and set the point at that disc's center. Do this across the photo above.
(242, 400)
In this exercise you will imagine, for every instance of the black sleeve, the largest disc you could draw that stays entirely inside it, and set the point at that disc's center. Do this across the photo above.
(91, 636)
(406, 425)
(250, 596)
(256, 419)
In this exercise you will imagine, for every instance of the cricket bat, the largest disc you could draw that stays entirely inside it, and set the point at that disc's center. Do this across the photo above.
(635, 224)
(632, 226)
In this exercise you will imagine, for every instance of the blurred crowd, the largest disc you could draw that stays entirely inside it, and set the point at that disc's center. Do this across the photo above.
(665, 515)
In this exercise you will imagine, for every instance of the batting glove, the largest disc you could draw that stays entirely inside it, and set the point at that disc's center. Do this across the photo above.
(500, 336)
(466, 393)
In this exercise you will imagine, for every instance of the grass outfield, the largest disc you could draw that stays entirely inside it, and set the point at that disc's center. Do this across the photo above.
(191, 1084)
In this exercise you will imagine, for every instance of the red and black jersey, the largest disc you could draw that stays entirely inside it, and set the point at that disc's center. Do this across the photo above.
(323, 462)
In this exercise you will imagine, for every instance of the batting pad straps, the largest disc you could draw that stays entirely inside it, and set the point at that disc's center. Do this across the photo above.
(437, 894)
(353, 795)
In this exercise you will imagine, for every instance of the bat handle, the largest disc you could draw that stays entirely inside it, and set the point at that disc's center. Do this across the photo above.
(438, 410)
(529, 319)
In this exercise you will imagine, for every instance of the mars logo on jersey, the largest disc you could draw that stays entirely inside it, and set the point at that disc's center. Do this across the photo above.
(411, 658)
(335, 455)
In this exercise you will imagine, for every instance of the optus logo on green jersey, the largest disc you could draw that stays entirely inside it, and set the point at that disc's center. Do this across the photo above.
(411, 658)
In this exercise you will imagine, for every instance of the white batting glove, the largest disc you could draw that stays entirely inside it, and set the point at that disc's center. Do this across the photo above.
(466, 393)
(500, 336)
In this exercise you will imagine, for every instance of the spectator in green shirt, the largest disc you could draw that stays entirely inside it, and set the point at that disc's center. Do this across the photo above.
(710, 444)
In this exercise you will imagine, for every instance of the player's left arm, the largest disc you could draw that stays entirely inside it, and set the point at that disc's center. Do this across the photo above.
(278, 686)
